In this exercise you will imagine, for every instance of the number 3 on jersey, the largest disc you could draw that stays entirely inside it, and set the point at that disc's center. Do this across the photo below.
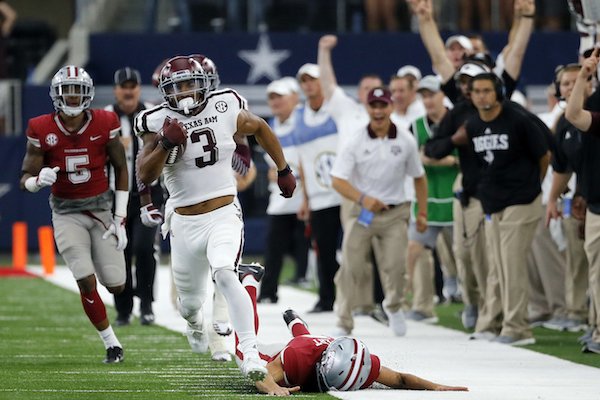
(209, 145)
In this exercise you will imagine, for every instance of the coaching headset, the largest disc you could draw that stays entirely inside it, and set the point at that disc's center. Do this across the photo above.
(498, 84)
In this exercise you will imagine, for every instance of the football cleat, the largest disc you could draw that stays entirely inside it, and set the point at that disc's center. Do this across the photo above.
(254, 269)
(290, 315)
(197, 338)
(222, 328)
(114, 355)
(222, 356)
(253, 369)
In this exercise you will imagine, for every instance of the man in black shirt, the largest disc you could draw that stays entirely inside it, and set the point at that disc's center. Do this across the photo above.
(589, 124)
(511, 150)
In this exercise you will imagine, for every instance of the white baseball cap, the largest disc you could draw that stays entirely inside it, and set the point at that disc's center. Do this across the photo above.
(279, 87)
(292, 82)
(409, 70)
(472, 69)
(431, 83)
(309, 69)
(462, 40)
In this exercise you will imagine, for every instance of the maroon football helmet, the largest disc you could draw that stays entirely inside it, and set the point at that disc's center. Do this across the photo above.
(183, 83)
(210, 68)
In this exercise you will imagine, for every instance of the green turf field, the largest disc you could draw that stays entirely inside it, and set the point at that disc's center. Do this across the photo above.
(50, 351)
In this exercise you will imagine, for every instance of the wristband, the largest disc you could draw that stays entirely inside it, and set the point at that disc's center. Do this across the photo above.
(361, 199)
(286, 171)
(121, 199)
(31, 184)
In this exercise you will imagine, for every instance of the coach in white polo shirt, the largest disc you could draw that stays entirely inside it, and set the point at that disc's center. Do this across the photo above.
(370, 171)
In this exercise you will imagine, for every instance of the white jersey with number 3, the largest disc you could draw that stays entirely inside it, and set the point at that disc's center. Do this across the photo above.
(203, 172)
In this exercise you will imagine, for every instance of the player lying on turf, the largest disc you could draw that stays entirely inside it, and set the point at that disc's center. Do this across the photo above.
(312, 363)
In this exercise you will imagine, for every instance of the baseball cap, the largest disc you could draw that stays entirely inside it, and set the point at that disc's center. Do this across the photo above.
(462, 40)
(279, 87)
(431, 83)
(409, 70)
(309, 69)
(472, 69)
(379, 94)
(127, 74)
(292, 83)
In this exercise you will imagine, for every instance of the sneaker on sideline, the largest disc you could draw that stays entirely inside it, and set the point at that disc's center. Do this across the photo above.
(419, 316)
(591, 347)
(397, 321)
(253, 369)
(575, 325)
(513, 341)
(556, 324)
(586, 337)
(114, 355)
(197, 338)
(469, 316)
(484, 335)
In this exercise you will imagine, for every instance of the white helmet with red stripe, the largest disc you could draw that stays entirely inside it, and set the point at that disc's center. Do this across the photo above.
(72, 90)
(345, 365)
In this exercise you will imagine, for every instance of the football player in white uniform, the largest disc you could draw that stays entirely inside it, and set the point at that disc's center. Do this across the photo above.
(190, 136)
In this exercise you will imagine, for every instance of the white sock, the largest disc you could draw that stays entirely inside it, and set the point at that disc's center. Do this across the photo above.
(109, 338)
(240, 311)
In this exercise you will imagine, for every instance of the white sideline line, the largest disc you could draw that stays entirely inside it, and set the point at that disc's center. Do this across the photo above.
(491, 371)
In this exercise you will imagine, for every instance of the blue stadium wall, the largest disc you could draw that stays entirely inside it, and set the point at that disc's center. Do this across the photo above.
(354, 56)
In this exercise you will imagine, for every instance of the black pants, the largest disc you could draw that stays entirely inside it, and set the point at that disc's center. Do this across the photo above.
(142, 245)
(285, 236)
(327, 233)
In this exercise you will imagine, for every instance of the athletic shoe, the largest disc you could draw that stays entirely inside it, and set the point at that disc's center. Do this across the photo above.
(147, 318)
(222, 328)
(586, 337)
(197, 338)
(469, 316)
(123, 320)
(485, 335)
(575, 325)
(538, 321)
(290, 315)
(451, 290)
(419, 316)
(254, 269)
(513, 341)
(222, 356)
(253, 369)
(397, 321)
(556, 324)
(379, 315)
(591, 347)
(114, 355)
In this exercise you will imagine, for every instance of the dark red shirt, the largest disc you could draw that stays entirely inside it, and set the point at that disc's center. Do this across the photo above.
(81, 156)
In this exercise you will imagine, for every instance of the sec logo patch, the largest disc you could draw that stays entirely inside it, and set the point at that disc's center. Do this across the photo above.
(51, 139)
(221, 106)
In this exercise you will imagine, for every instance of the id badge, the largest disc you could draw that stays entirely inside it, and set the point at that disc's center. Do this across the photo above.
(365, 217)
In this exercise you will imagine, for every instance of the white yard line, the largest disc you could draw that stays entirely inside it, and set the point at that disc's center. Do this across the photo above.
(491, 371)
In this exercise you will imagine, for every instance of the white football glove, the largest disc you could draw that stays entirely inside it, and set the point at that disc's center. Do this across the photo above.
(150, 216)
(47, 177)
(117, 228)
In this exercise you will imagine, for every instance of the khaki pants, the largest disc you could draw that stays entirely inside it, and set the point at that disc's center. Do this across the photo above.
(512, 231)
(546, 271)
(576, 279)
(592, 250)
(423, 278)
(390, 228)
(470, 251)
(364, 298)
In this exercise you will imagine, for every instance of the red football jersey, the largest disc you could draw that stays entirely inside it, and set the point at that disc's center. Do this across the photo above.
(80, 155)
(299, 359)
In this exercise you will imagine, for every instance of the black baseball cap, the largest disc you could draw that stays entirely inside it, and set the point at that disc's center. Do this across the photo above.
(127, 74)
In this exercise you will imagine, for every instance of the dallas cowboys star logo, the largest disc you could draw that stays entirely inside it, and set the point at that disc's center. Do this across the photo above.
(264, 61)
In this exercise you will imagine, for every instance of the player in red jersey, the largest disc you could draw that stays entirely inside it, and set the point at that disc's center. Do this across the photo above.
(312, 363)
(68, 150)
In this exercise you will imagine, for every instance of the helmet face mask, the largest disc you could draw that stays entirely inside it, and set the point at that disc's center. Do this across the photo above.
(183, 83)
(345, 365)
(71, 90)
